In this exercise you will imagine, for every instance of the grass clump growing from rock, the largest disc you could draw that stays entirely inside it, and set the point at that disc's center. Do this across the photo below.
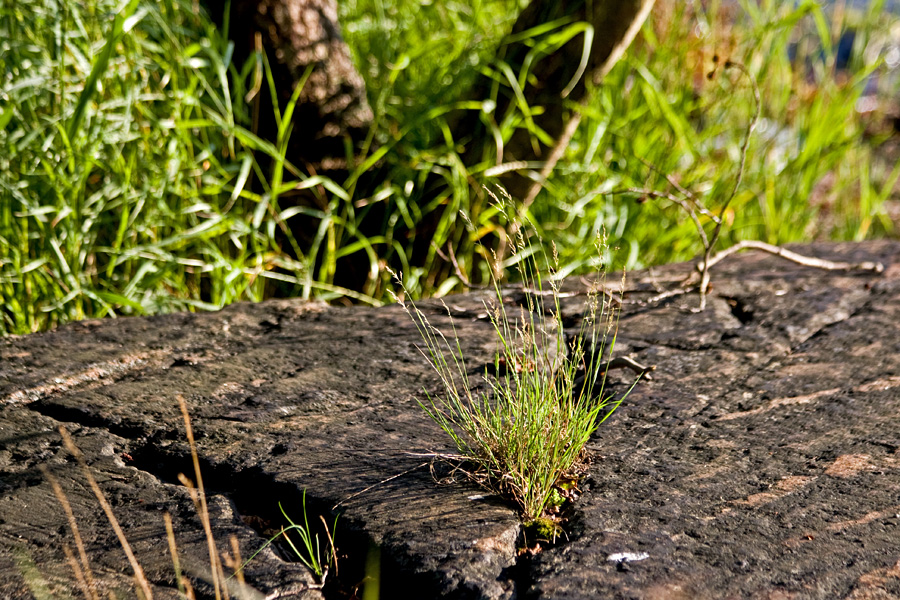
(526, 430)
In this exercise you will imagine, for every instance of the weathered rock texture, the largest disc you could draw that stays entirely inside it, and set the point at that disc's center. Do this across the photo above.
(762, 460)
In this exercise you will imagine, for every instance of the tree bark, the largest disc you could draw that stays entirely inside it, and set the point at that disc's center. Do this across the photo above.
(332, 108)
(615, 24)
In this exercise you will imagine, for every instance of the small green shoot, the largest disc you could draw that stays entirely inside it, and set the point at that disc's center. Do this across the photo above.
(318, 558)
(311, 555)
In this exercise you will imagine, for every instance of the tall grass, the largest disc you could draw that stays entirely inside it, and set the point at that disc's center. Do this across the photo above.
(811, 173)
(125, 169)
(131, 181)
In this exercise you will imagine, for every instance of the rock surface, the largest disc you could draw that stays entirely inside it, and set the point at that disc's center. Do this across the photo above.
(761, 461)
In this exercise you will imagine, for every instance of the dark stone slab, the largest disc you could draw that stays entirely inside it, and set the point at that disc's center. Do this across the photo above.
(760, 461)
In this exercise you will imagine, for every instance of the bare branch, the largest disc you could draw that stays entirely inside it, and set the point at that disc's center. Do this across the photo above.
(683, 191)
(456, 268)
(704, 266)
(671, 198)
(800, 259)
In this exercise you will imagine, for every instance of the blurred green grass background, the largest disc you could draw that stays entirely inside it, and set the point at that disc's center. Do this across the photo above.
(131, 182)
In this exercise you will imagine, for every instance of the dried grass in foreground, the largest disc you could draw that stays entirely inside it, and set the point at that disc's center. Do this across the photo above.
(90, 588)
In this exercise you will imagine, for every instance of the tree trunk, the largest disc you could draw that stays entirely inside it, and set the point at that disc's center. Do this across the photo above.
(332, 108)
(555, 79)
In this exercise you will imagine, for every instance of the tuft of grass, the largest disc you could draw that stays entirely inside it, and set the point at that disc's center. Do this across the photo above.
(525, 432)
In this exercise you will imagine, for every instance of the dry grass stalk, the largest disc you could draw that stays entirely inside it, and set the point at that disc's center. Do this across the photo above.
(173, 550)
(143, 585)
(83, 574)
(79, 574)
(199, 498)
(235, 561)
